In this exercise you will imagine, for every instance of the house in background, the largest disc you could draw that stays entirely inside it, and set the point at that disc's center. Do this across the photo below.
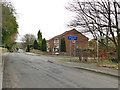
(54, 43)
(48, 46)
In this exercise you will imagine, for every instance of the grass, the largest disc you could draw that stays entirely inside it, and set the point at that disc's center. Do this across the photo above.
(69, 59)
(108, 62)
(39, 52)
(77, 60)
(46, 53)
(104, 63)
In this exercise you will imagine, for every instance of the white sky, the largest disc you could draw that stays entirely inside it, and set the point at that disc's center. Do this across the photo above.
(50, 16)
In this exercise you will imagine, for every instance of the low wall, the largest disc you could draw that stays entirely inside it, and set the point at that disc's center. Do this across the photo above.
(3, 54)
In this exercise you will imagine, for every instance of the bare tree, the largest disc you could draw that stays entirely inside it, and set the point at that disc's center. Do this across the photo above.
(28, 39)
(98, 18)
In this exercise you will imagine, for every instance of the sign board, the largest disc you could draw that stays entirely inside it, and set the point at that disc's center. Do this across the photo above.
(72, 38)
(101, 37)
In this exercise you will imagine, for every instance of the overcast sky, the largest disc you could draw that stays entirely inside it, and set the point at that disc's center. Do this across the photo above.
(50, 16)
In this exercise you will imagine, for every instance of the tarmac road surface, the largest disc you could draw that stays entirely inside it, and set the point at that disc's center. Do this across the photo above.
(33, 71)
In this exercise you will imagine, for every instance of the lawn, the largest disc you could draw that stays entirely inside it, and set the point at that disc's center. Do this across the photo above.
(103, 63)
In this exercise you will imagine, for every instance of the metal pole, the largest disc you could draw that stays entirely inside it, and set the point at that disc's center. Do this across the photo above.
(97, 51)
(70, 47)
(75, 49)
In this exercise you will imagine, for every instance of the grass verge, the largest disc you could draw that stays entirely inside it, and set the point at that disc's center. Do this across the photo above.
(104, 63)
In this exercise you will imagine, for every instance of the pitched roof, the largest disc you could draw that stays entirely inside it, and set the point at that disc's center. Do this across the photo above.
(57, 36)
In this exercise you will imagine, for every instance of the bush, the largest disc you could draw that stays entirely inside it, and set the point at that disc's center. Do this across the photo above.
(35, 44)
(114, 60)
(28, 48)
(44, 45)
(62, 46)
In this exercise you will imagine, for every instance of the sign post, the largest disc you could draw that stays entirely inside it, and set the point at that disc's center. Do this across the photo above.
(70, 47)
(72, 38)
(97, 51)
(100, 37)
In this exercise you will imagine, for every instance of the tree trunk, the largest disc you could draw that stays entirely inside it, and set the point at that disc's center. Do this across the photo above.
(118, 31)
(118, 48)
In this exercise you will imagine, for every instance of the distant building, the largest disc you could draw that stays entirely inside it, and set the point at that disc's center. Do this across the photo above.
(53, 44)
(48, 46)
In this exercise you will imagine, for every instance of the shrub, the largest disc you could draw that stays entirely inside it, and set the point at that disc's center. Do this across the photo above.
(62, 46)
(44, 45)
(114, 60)
(28, 48)
(35, 45)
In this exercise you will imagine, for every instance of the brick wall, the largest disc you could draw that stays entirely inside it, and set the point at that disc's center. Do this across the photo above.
(81, 42)
(51, 43)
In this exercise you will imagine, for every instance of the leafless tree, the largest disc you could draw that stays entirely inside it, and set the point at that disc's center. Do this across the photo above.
(99, 18)
(28, 39)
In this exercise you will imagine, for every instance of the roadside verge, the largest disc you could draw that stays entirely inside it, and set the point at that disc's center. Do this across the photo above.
(88, 67)
(2, 58)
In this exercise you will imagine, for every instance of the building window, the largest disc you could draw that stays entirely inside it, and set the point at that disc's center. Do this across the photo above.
(54, 40)
(57, 40)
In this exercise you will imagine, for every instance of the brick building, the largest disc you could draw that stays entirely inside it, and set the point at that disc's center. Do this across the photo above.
(53, 44)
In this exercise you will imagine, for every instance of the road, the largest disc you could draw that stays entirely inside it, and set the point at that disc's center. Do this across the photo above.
(32, 71)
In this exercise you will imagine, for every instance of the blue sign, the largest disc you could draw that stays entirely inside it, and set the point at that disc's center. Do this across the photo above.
(72, 38)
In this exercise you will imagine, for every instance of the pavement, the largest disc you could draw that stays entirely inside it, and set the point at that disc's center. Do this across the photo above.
(36, 71)
(89, 67)
(2, 58)
(3, 54)
(85, 66)
(1, 69)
